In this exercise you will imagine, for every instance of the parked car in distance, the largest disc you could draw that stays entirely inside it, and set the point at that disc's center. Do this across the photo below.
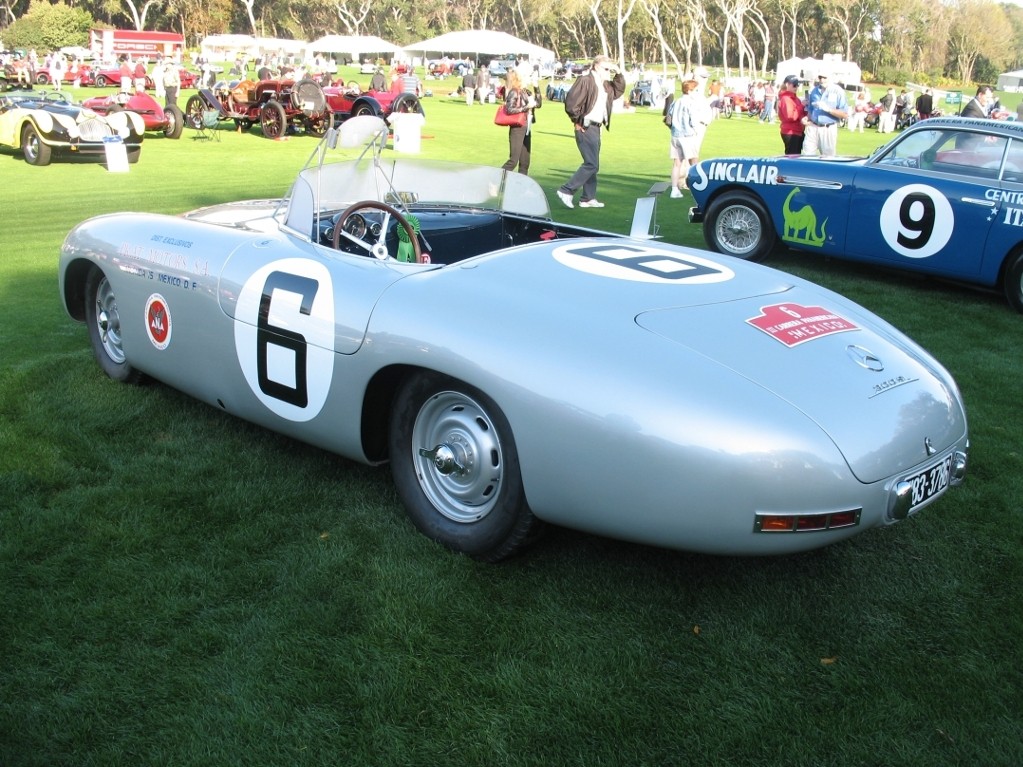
(112, 76)
(274, 105)
(46, 124)
(169, 120)
(350, 100)
(83, 74)
(943, 198)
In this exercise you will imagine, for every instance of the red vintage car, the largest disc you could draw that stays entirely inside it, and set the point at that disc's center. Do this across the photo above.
(83, 74)
(168, 120)
(274, 105)
(351, 101)
(112, 76)
(303, 106)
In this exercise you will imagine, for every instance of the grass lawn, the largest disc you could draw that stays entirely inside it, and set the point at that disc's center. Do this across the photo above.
(180, 588)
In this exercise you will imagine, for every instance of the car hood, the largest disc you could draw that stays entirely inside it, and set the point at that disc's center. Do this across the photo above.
(883, 402)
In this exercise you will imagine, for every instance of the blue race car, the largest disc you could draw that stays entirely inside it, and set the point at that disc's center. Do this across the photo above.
(944, 198)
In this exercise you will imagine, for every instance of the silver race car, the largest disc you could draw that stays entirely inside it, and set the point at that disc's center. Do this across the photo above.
(514, 370)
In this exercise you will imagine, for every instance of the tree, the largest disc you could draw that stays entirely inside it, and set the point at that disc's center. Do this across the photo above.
(980, 30)
(49, 27)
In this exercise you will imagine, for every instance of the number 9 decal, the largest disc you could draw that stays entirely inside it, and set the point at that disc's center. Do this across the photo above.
(917, 221)
(284, 336)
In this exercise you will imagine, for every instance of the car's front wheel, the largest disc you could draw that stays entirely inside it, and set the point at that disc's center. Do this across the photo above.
(273, 120)
(194, 108)
(175, 121)
(103, 319)
(101, 81)
(738, 225)
(1012, 280)
(35, 150)
(456, 468)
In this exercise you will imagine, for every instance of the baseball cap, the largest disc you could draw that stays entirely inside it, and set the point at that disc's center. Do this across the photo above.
(791, 80)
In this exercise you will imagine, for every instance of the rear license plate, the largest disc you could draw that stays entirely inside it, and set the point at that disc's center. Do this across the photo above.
(930, 483)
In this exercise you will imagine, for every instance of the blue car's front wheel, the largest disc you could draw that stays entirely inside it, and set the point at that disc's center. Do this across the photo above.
(737, 224)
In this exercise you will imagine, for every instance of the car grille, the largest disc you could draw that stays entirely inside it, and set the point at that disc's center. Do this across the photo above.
(94, 130)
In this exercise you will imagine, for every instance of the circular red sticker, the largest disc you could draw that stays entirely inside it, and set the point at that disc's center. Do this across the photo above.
(158, 321)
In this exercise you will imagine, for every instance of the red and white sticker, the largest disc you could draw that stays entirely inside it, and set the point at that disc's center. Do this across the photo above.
(158, 321)
(794, 324)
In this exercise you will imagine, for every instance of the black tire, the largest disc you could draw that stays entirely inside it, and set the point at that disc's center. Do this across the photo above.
(101, 81)
(456, 468)
(737, 224)
(1012, 280)
(42, 79)
(362, 109)
(175, 121)
(273, 120)
(104, 323)
(194, 108)
(32, 146)
(133, 155)
(407, 103)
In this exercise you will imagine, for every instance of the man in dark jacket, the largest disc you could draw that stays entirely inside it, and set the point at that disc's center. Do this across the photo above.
(588, 105)
(924, 105)
(978, 105)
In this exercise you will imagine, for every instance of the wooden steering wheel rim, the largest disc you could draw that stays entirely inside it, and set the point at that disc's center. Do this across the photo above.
(373, 204)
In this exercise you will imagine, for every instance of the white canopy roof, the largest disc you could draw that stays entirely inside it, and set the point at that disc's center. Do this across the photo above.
(224, 45)
(354, 45)
(481, 42)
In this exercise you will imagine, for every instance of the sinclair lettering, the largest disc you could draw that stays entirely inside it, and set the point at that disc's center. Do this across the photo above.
(737, 172)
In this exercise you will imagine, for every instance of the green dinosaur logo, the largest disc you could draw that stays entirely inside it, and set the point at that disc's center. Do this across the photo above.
(801, 225)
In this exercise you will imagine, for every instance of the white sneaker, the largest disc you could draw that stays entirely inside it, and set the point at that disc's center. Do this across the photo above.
(590, 204)
(566, 198)
(676, 192)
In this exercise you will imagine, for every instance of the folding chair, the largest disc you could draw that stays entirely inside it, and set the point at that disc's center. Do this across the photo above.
(206, 127)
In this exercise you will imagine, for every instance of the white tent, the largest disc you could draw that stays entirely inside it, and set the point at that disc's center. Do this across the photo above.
(1010, 81)
(227, 47)
(355, 46)
(480, 42)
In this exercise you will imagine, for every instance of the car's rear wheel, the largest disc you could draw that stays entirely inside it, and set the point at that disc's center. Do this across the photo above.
(272, 119)
(36, 152)
(42, 79)
(1012, 280)
(101, 81)
(738, 225)
(456, 468)
(104, 322)
(175, 121)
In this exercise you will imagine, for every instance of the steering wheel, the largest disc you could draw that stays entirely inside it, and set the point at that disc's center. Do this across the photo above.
(378, 248)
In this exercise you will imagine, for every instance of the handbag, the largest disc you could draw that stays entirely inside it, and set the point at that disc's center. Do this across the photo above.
(517, 120)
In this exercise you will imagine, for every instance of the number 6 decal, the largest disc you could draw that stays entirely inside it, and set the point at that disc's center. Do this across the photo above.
(917, 221)
(284, 336)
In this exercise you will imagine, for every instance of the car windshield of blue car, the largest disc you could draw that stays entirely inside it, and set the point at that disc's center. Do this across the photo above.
(969, 153)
